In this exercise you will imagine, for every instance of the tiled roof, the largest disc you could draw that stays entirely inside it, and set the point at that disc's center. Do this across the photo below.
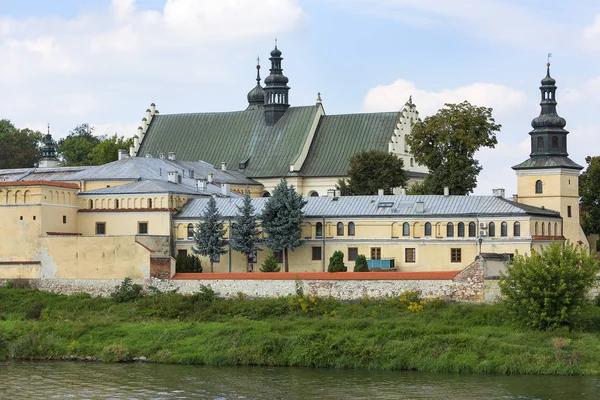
(548, 162)
(385, 206)
(340, 136)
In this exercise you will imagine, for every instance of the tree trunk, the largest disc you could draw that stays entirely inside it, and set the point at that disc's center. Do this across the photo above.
(211, 265)
(285, 260)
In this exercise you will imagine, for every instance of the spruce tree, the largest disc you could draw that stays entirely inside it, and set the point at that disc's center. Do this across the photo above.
(281, 219)
(244, 230)
(208, 236)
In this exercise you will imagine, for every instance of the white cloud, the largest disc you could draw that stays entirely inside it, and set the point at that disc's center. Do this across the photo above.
(591, 35)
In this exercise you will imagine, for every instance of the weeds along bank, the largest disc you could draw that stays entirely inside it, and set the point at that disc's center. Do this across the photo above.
(401, 332)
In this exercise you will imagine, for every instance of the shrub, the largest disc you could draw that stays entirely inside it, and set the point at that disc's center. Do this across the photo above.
(205, 295)
(546, 290)
(187, 263)
(115, 353)
(336, 262)
(361, 264)
(270, 264)
(127, 291)
(34, 311)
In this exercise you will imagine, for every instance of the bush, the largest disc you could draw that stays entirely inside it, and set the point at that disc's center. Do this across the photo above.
(187, 263)
(115, 353)
(336, 262)
(361, 264)
(34, 311)
(546, 291)
(205, 295)
(127, 291)
(270, 264)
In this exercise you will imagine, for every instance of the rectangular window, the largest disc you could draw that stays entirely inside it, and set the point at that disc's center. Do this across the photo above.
(316, 253)
(375, 253)
(569, 211)
(410, 255)
(100, 228)
(455, 255)
(143, 228)
(182, 253)
(279, 256)
(64, 219)
(353, 253)
(252, 258)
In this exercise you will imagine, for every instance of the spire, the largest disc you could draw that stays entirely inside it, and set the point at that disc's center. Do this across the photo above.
(276, 89)
(256, 97)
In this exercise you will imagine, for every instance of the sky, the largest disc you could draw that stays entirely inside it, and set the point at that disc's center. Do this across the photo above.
(102, 62)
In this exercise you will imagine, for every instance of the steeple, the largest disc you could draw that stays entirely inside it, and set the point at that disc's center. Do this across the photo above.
(256, 97)
(276, 90)
(48, 153)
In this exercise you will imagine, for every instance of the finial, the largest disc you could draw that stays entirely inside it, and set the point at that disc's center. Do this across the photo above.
(48, 128)
(319, 100)
(275, 42)
(258, 69)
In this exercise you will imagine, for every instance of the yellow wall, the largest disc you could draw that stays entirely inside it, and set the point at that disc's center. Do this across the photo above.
(125, 223)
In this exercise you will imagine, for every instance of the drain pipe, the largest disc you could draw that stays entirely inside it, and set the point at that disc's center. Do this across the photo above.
(324, 230)
(229, 244)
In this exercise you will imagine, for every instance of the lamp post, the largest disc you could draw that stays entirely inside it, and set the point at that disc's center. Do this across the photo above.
(480, 240)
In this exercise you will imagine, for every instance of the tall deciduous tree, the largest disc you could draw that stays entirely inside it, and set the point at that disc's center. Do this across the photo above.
(589, 192)
(371, 170)
(76, 148)
(208, 236)
(244, 230)
(107, 150)
(446, 144)
(19, 148)
(281, 219)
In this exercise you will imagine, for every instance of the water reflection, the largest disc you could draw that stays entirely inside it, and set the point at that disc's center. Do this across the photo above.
(64, 380)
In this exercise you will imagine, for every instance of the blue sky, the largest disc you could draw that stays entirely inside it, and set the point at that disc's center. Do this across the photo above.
(103, 62)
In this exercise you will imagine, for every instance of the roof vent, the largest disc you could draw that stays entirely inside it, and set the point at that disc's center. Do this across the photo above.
(446, 191)
(419, 207)
(380, 192)
(173, 176)
(201, 184)
(148, 155)
(223, 166)
(330, 192)
(172, 156)
(225, 189)
(161, 156)
(122, 154)
(498, 192)
(210, 177)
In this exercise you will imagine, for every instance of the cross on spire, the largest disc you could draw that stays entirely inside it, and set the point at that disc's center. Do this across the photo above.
(549, 55)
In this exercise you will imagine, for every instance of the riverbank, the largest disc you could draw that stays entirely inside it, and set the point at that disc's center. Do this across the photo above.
(390, 334)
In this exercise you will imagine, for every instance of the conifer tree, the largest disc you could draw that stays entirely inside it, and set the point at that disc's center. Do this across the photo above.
(208, 236)
(244, 230)
(281, 219)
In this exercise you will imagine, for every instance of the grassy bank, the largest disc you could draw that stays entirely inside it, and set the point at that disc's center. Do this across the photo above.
(291, 331)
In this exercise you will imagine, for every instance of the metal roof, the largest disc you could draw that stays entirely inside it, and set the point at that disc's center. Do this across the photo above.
(38, 174)
(546, 161)
(155, 186)
(384, 206)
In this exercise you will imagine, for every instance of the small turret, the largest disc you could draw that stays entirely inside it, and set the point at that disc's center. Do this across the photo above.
(256, 97)
(48, 152)
(276, 90)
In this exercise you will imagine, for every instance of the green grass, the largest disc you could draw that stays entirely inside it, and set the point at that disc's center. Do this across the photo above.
(290, 331)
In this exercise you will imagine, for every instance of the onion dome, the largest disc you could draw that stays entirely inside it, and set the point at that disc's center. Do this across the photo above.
(256, 97)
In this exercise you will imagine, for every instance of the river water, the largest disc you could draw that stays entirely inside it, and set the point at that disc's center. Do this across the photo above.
(89, 380)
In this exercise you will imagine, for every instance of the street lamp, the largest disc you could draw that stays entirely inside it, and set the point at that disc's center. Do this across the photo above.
(480, 240)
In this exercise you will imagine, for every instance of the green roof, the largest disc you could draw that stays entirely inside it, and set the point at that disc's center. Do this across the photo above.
(233, 137)
(340, 136)
(546, 161)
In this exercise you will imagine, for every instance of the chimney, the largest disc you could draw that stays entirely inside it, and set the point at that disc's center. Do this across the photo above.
(225, 189)
(498, 192)
(419, 207)
(201, 184)
(144, 124)
(223, 166)
(153, 108)
(338, 193)
(131, 151)
(148, 114)
(140, 131)
(330, 192)
(515, 198)
(210, 177)
(402, 191)
(446, 191)
(172, 156)
(136, 141)
(122, 154)
(173, 176)
(148, 155)
(380, 192)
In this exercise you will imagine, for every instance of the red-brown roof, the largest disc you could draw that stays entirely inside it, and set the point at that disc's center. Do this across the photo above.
(44, 183)
(395, 276)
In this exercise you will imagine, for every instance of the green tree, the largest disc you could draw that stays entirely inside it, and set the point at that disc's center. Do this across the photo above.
(589, 192)
(336, 262)
(107, 150)
(244, 230)
(446, 144)
(19, 148)
(371, 170)
(76, 148)
(546, 290)
(281, 219)
(361, 264)
(187, 263)
(208, 235)
(270, 264)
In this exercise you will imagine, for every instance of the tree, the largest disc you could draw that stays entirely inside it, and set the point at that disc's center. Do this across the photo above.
(244, 230)
(107, 150)
(187, 263)
(270, 264)
(336, 262)
(546, 290)
(76, 148)
(208, 236)
(361, 264)
(589, 192)
(371, 170)
(281, 220)
(446, 144)
(19, 148)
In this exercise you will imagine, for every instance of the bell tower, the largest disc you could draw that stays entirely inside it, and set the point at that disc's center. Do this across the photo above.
(549, 178)
(276, 90)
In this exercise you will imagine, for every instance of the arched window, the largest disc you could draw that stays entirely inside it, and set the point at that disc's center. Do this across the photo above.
(266, 194)
(427, 229)
(492, 229)
(517, 229)
(190, 231)
(412, 162)
(91, 204)
(350, 228)
(340, 229)
(472, 229)
(555, 142)
(535, 230)
(503, 229)
(319, 229)
(450, 229)
(543, 229)
(538, 186)
(149, 203)
(461, 229)
(405, 229)
(549, 229)
(117, 203)
(314, 194)
(555, 229)
(540, 143)
(564, 143)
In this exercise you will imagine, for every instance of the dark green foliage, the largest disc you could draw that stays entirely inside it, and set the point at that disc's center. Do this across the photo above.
(360, 265)
(244, 230)
(281, 219)
(270, 264)
(127, 291)
(446, 144)
(546, 291)
(209, 235)
(589, 192)
(78, 145)
(19, 148)
(371, 170)
(34, 311)
(187, 263)
(115, 353)
(107, 150)
(336, 262)
(206, 294)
